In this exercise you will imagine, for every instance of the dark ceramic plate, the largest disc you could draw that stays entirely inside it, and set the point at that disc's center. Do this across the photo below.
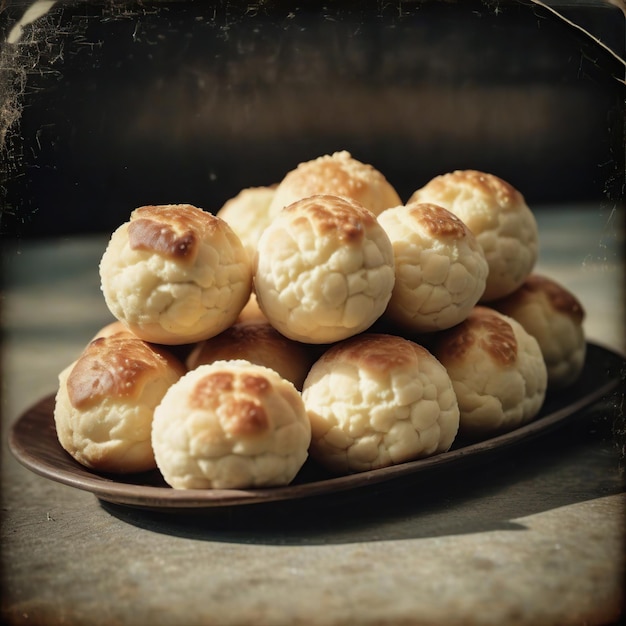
(34, 443)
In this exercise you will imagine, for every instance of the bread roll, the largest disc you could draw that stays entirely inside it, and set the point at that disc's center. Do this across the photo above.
(175, 274)
(179, 351)
(260, 343)
(230, 425)
(106, 399)
(338, 174)
(324, 270)
(497, 370)
(247, 214)
(554, 317)
(378, 400)
(440, 268)
(500, 219)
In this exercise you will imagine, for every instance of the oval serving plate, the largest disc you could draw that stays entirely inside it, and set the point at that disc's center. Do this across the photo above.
(33, 441)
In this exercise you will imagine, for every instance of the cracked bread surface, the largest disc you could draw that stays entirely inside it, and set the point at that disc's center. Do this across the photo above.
(175, 274)
(247, 213)
(554, 317)
(499, 218)
(230, 425)
(338, 174)
(105, 402)
(259, 342)
(440, 268)
(324, 270)
(377, 400)
(497, 370)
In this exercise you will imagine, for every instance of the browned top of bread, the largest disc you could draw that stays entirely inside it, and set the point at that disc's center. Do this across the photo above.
(561, 300)
(172, 230)
(487, 184)
(115, 366)
(254, 335)
(486, 329)
(437, 221)
(259, 342)
(332, 214)
(377, 352)
(338, 174)
(217, 390)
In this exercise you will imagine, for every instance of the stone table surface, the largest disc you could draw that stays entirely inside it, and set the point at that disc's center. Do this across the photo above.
(533, 537)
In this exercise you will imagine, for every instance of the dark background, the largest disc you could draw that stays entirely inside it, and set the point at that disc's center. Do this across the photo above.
(118, 104)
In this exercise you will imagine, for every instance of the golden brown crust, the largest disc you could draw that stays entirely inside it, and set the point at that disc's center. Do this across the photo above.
(257, 341)
(150, 235)
(246, 418)
(376, 352)
(561, 300)
(207, 391)
(242, 338)
(439, 222)
(254, 333)
(115, 366)
(330, 213)
(488, 184)
(173, 231)
(237, 398)
(332, 174)
(338, 174)
(254, 384)
(484, 328)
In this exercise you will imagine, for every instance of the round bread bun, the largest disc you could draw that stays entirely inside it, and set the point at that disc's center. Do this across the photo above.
(179, 351)
(247, 214)
(497, 370)
(106, 399)
(324, 270)
(175, 274)
(338, 174)
(230, 425)
(441, 269)
(377, 400)
(260, 343)
(500, 219)
(554, 317)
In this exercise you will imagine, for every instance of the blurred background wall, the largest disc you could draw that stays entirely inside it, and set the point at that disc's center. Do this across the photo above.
(106, 106)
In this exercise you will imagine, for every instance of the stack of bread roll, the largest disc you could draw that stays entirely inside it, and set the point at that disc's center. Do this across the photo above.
(318, 317)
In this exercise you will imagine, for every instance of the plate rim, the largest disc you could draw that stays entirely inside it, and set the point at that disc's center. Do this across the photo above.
(105, 487)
